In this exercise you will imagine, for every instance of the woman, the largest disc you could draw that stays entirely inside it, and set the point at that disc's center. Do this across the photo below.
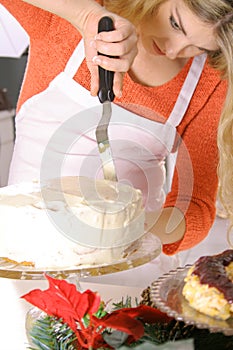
(163, 80)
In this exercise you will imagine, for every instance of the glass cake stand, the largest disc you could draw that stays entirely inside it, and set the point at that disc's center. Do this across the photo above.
(138, 253)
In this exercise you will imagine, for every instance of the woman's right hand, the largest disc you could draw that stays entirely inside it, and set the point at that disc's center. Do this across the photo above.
(121, 42)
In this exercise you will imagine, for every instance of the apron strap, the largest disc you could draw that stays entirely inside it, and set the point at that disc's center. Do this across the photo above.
(180, 108)
(187, 90)
(75, 60)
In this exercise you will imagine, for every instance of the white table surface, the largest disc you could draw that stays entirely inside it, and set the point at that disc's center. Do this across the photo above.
(113, 286)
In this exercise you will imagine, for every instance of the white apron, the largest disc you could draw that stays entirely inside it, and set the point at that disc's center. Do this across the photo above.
(55, 136)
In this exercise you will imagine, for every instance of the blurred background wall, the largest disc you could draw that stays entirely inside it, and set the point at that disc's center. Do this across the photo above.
(11, 75)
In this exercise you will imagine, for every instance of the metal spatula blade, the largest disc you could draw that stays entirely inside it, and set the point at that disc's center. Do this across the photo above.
(106, 96)
(103, 143)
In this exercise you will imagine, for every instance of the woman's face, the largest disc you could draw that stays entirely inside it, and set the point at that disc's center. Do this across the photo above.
(176, 32)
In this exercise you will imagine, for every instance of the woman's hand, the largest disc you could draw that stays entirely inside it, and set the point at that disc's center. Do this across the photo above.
(168, 224)
(121, 42)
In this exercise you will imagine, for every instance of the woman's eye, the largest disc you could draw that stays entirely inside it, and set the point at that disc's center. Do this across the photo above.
(173, 22)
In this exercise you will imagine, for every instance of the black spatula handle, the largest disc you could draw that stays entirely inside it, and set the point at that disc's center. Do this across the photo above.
(105, 92)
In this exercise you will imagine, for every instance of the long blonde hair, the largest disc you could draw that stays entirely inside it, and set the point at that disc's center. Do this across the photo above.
(220, 14)
(217, 13)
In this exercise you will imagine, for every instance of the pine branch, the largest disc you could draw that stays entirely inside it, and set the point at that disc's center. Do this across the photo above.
(49, 333)
(125, 302)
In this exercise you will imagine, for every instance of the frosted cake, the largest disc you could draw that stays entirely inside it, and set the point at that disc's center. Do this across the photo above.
(69, 222)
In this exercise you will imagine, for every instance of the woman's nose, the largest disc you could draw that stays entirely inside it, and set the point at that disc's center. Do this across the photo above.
(175, 47)
(171, 54)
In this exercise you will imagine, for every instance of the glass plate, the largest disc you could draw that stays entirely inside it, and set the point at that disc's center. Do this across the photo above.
(166, 293)
(145, 249)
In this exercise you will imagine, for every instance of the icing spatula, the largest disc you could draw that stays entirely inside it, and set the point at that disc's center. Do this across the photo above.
(106, 96)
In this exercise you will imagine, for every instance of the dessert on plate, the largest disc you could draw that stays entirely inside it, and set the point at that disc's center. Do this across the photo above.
(209, 285)
(69, 222)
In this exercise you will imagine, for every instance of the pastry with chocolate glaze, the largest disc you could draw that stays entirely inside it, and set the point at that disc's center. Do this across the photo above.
(209, 285)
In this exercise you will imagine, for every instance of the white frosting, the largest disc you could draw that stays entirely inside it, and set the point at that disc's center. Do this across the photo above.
(39, 230)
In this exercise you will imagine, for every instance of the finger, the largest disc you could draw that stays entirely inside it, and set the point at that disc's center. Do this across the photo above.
(94, 82)
(113, 64)
(123, 30)
(116, 49)
(94, 73)
(116, 35)
(118, 84)
(90, 52)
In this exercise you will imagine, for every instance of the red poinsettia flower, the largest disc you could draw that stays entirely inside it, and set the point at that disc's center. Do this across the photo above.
(63, 300)
(131, 320)
(122, 322)
(146, 313)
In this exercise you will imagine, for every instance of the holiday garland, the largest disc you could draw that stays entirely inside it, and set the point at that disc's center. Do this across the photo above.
(74, 320)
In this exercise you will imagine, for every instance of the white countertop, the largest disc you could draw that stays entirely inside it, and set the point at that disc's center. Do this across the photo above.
(113, 286)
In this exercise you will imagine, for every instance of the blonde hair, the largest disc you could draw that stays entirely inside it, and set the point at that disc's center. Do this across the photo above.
(218, 13)
(134, 10)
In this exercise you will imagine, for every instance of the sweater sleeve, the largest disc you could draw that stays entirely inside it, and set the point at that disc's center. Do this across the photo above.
(195, 179)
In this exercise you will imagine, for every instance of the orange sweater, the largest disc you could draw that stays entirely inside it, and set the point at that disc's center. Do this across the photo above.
(52, 41)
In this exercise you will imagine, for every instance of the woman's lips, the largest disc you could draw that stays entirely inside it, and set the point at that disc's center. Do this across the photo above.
(157, 49)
